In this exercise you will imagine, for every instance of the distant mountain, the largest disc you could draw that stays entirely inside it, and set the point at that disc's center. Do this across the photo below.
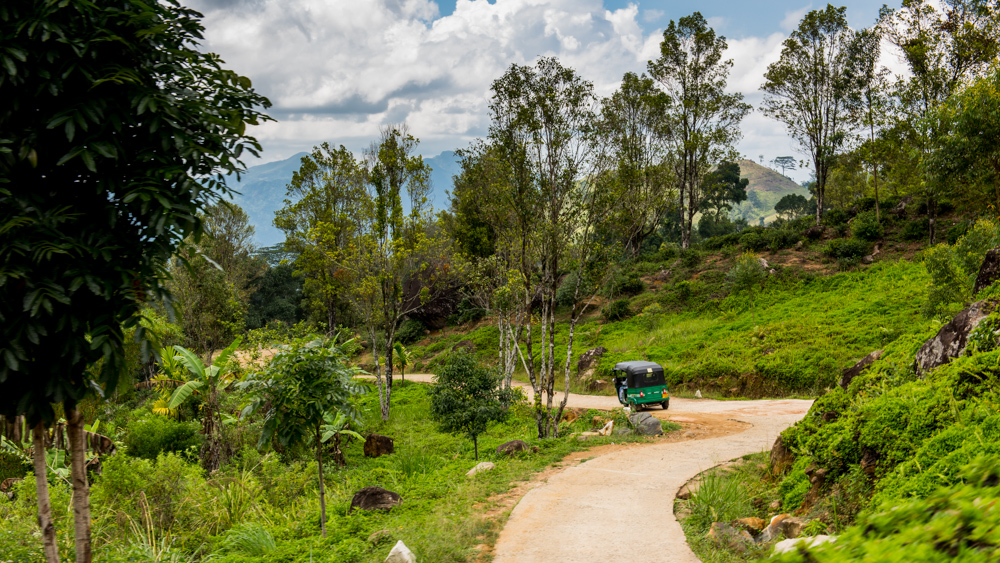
(443, 167)
(765, 189)
(262, 190)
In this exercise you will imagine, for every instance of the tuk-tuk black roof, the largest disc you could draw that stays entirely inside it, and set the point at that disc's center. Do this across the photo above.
(641, 374)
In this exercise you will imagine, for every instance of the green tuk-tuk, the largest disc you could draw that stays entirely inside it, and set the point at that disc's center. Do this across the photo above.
(640, 383)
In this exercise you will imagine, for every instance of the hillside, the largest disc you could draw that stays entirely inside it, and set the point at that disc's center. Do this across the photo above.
(766, 187)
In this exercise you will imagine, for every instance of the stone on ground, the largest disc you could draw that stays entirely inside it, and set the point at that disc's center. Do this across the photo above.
(512, 447)
(951, 340)
(374, 498)
(989, 271)
(608, 428)
(401, 554)
(482, 467)
(785, 546)
(850, 373)
(376, 445)
(646, 424)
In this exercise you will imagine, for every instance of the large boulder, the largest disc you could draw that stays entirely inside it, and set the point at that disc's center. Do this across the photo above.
(401, 554)
(588, 362)
(989, 272)
(481, 468)
(781, 456)
(850, 373)
(376, 445)
(374, 498)
(464, 346)
(646, 424)
(951, 340)
(512, 447)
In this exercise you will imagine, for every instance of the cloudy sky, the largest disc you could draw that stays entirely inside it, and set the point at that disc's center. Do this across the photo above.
(337, 69)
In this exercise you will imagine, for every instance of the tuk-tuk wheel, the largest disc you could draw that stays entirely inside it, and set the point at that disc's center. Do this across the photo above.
(664, 405)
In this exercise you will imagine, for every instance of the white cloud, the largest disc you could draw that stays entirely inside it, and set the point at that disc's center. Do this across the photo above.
(793, 17)
(652, 15)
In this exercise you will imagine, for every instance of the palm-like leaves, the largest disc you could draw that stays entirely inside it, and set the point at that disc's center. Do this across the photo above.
(216, 375)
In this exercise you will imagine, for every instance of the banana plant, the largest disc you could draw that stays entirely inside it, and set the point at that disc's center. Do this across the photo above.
(207, 382)
(336, 426)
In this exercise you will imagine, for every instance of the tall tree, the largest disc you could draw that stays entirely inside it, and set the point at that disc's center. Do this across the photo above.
(871, 99)
(944, 46)
(703, 119)
(784, 163)
(632, 130)
(723, 188)
(541, 131)
(319, 219)
(810, 87)
(115, 131)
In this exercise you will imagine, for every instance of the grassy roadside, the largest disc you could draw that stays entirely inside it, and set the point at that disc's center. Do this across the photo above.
(265, 507)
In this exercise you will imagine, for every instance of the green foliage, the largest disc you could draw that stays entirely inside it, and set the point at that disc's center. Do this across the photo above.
(690, 258)
(617, 310)
(149, 436)
(277, 297)
(836, 217)
(752, 241)
(953, 268)
(717, 499)
(410, 331)
(916, 229)
(778, 239)
(866, 227)
(624, 285)
(468, 397)
(747, 274)
(467, 312)
(250, 539)
(846, 251)
(151, 136)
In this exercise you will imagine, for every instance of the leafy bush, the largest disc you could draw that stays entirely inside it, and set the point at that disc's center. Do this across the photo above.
(410, 331)
(865, 204)
(752, 241)
(564, 295)
(916, 229)
(866, 227)
(617, 310)
(957, 231)
(846, 251)
(668, 251)
(953, 268)
(622, 284)
(148, 437)
(467, 312)
(778, 239)
(835, 217)
(690, 258)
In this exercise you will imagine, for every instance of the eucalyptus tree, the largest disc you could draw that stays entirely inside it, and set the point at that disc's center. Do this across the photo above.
(810, 88)
(115, 131)
(319, 218)
(395, 260)
(541, 134)
(944, 46)
(632, 132)
(871, 99)
(703, 119)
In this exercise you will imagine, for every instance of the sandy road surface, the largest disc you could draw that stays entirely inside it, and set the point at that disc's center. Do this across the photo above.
(619, 506)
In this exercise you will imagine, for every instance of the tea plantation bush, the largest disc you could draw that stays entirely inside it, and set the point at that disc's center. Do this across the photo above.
(617, 310)
(866, 227)
(152, 435)
(846, 251)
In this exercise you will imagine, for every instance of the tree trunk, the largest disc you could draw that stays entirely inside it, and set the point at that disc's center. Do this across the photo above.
(475, 445)
(81, 490)
(49, 546)
(322, 491)
(685, 233)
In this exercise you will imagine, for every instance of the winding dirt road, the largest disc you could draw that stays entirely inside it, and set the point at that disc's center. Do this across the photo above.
(619, 506)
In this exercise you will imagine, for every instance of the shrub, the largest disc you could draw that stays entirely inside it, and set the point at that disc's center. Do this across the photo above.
(834, 217)
(148, 437)
(621, 284)
(690, 258)
(865, 204)
(564, 295)
(953, 268)
(957, 231)
(813, 232)
(668, 251)
(867, 227)
(846, 251)
(778, 239)
(617, 311)
(410, 331)
(917, 229)
(752, 241)
(467, 312)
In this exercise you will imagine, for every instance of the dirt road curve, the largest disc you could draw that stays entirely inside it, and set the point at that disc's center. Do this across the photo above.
(619, 506)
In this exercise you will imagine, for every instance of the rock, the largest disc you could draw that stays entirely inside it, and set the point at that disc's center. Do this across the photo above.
(464, 345)
(773, 529)
(622, 431)
(401, 554)
(598, 420)
(482, 467)
(588, 360)
(869, 259)
(697, 394)
(597, 384)
(646, 424)
(775, 505)
(764, 264)
(813, 233)
(869, 461)
(687, 489)
(786, 546)
(569, 415)
(606, 431)
(379, 537)
(512, 447)
(752, 525)
(792, 526)
(900, 209)
(374, 498)
(989, 271)
(661, 276)
(725, 534)
(850, 373)
(950, 341)
(376, 445)
(799, 245)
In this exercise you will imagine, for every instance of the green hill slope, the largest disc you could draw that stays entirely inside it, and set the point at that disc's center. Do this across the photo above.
(765, 189)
